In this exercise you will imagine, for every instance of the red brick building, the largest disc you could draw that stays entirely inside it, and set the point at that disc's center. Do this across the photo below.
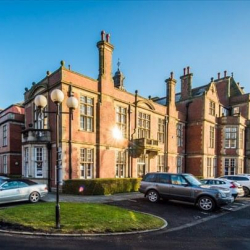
(11, 123)
(203, 130)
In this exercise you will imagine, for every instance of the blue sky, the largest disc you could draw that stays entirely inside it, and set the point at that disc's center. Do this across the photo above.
(151, 38)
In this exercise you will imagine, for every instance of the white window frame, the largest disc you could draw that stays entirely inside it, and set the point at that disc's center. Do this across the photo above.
(86, 113)
(39, 156)
(230, 137)
(144, 125)
(40, 118)
(86, 163)
(120, 165)
(230, 165)
(5, 164)
(141, 166)
(26, 162)
(211, 137)
(5, 136)
(121, 120)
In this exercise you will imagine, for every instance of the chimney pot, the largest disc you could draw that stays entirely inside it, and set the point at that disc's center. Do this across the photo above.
(225, 73)
(219, 75)
(102, 35)
(188, 70)
(171, 75)
(108, 38)
(184, 71)
(212, 79)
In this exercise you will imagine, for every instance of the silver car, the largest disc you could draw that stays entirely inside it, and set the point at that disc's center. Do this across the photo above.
(3, 178)
(184, 187)
(21, 190)
(235, 187)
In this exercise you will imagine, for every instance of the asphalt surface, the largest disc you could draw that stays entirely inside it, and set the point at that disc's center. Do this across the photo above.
(189, 228)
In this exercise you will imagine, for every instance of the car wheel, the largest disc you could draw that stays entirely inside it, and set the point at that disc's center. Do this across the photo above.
(153, 196)
(34, 197)
(206, 203)
(246, 191)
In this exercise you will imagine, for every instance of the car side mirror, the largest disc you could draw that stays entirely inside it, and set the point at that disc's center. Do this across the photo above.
(185, 185)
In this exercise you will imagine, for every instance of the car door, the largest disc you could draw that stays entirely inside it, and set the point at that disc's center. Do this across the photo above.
(24, 190)
(9, 192)
(162, 184)
(180, 189)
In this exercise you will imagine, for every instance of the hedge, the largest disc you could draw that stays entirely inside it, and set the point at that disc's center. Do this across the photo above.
(102, 186)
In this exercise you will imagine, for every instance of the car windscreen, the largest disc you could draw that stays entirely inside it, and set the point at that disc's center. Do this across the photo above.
(29, 182)
(192, 180)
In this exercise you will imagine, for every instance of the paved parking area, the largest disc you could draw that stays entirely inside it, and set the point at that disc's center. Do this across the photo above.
(177, 213)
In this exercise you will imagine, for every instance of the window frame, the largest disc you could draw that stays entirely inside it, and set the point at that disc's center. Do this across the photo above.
(5, 164)
(86, 163)
(230, 166)
(231, 134)
(161, 130)
(39, 161)
(144, 125)
(212, 108)
(86, 113)
(179, 134)
(160, 164)
(211, 137)
(5, 134)
(120, 164)
(121, 120)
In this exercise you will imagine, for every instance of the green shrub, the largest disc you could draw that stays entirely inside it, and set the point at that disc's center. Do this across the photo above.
(100, 186)
(199, 177)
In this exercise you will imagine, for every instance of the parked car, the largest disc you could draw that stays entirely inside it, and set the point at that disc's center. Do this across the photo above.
(184, 187)
(3, 178)
(243, 179)
(235, 187)
(12, 190)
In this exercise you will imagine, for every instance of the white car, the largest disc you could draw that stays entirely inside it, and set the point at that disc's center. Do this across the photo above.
(12, 190)
(3, 178)
(243, 179)
(235, 188)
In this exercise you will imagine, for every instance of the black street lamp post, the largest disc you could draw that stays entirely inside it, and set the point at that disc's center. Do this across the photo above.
(57, 97)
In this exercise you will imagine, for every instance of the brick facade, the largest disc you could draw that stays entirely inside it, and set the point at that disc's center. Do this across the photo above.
(11, 124)
(180, 132)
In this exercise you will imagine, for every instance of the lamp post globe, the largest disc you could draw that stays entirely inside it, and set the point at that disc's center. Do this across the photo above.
(40, 101)
(72, 102)
(57, 96)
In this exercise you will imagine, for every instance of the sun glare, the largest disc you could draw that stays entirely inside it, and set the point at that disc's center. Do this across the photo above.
(117, 133)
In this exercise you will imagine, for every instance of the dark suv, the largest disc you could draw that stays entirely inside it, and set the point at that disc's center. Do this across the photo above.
(183, 187)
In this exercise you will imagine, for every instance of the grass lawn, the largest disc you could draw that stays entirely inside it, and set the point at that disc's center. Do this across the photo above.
(78, 218)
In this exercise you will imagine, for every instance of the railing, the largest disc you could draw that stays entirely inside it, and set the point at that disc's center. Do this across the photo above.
(146, 143)
(32, 135)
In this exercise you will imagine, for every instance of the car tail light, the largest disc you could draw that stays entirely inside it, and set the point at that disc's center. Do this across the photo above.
(233, 185)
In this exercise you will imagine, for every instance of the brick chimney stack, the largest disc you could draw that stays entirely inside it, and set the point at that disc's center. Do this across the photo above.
(105, 62)
(171, 82)
(186, 84)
